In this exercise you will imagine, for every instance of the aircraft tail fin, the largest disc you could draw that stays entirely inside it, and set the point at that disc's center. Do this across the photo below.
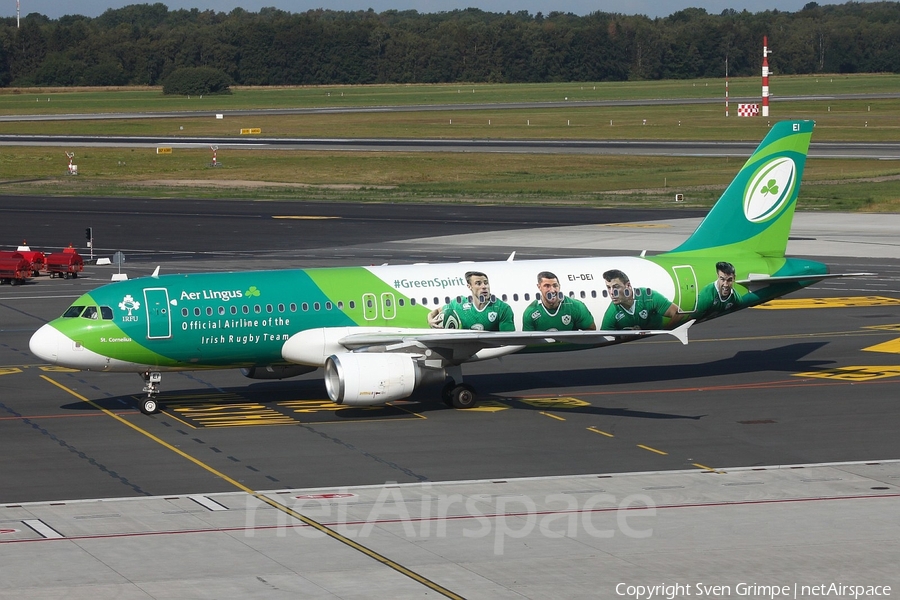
(754, 214)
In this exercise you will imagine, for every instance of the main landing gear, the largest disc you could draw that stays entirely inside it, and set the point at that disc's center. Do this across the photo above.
(457, 394)
(149, 405)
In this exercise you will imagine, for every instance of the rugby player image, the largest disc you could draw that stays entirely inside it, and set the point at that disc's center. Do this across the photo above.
(554, 311)
(483, 312)
(631, 308)
(719, 297)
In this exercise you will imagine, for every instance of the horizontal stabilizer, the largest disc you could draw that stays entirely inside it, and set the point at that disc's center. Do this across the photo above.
(753, 278)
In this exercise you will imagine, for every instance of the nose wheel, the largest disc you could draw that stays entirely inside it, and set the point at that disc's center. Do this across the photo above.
(149, 406)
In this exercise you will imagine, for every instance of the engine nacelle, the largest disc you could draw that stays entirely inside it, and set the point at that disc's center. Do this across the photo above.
(367, 379)
(276, 371)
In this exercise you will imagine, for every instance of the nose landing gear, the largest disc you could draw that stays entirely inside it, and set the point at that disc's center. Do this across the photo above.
(149, 405)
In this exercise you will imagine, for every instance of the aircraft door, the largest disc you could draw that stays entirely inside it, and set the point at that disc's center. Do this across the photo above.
(159, 319)
(388, 311)
(370, 309)
(685, 288)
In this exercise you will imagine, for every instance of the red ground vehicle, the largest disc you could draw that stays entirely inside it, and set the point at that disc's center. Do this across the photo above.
(67, 263)
(35, 257)
(14, 270)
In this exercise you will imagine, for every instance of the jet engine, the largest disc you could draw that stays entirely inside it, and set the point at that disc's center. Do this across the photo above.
(276, 371)
(367, 379)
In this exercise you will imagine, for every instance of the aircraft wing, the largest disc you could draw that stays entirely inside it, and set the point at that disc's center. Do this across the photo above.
(463, 343)
(314, 346)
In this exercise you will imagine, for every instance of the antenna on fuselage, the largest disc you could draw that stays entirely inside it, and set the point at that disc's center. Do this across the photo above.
(511, 256)
(155, 272)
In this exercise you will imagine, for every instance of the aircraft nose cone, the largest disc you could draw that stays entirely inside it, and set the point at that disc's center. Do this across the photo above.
(45, 343)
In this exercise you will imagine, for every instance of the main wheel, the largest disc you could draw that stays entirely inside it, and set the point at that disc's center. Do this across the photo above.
(463, 396)
(149, 406)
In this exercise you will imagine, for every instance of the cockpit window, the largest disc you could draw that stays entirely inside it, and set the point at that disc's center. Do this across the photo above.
(106, 313)
(73, 311)
(89, 313)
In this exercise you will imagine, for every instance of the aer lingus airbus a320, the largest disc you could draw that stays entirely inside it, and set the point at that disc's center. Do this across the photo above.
(382, 331)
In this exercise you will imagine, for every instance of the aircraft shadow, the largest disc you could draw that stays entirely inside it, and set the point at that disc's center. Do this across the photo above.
(788, 359)
(784, 359)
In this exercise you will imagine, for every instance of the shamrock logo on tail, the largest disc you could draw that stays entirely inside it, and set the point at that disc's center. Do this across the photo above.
(770, 188)
(252, 292)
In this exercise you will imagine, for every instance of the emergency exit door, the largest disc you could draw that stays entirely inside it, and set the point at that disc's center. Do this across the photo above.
(159, 319)
(686, 288)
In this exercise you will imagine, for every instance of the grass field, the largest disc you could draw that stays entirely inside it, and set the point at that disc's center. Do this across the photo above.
(379, 177)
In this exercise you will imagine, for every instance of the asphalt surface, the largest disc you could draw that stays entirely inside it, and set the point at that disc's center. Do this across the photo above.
(581, 475)
(756, 388)
(871, 150)
(434, 107)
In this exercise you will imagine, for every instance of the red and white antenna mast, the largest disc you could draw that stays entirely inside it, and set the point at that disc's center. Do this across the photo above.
(765, 77)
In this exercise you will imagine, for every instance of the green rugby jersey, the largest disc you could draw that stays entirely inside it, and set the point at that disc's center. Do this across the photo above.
(570, 315)
(495, 316)
(646, 313)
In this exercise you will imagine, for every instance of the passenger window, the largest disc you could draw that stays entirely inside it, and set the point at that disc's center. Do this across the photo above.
(352, 304)
(185, 312)
(583, 295)
(245, 309)
(233, 309)
(197, 311)
(209, 311)
(316, 306)
(268, 308)
(257, 308)
(328, 306)
(106, 313)
(340, 305)
(412, 301)
(400, 301)
(515, 297)
(281, 308)
(593, 293)
(221, 310)
(89, 313)
(293, 307)
(527, 297)
(305, 307)
(504, 297)
(73, 311)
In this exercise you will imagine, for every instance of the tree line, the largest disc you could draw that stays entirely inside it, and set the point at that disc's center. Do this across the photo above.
(143, 44)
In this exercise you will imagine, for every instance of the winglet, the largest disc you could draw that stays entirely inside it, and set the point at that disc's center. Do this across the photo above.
(155, 272)
(681, 332)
